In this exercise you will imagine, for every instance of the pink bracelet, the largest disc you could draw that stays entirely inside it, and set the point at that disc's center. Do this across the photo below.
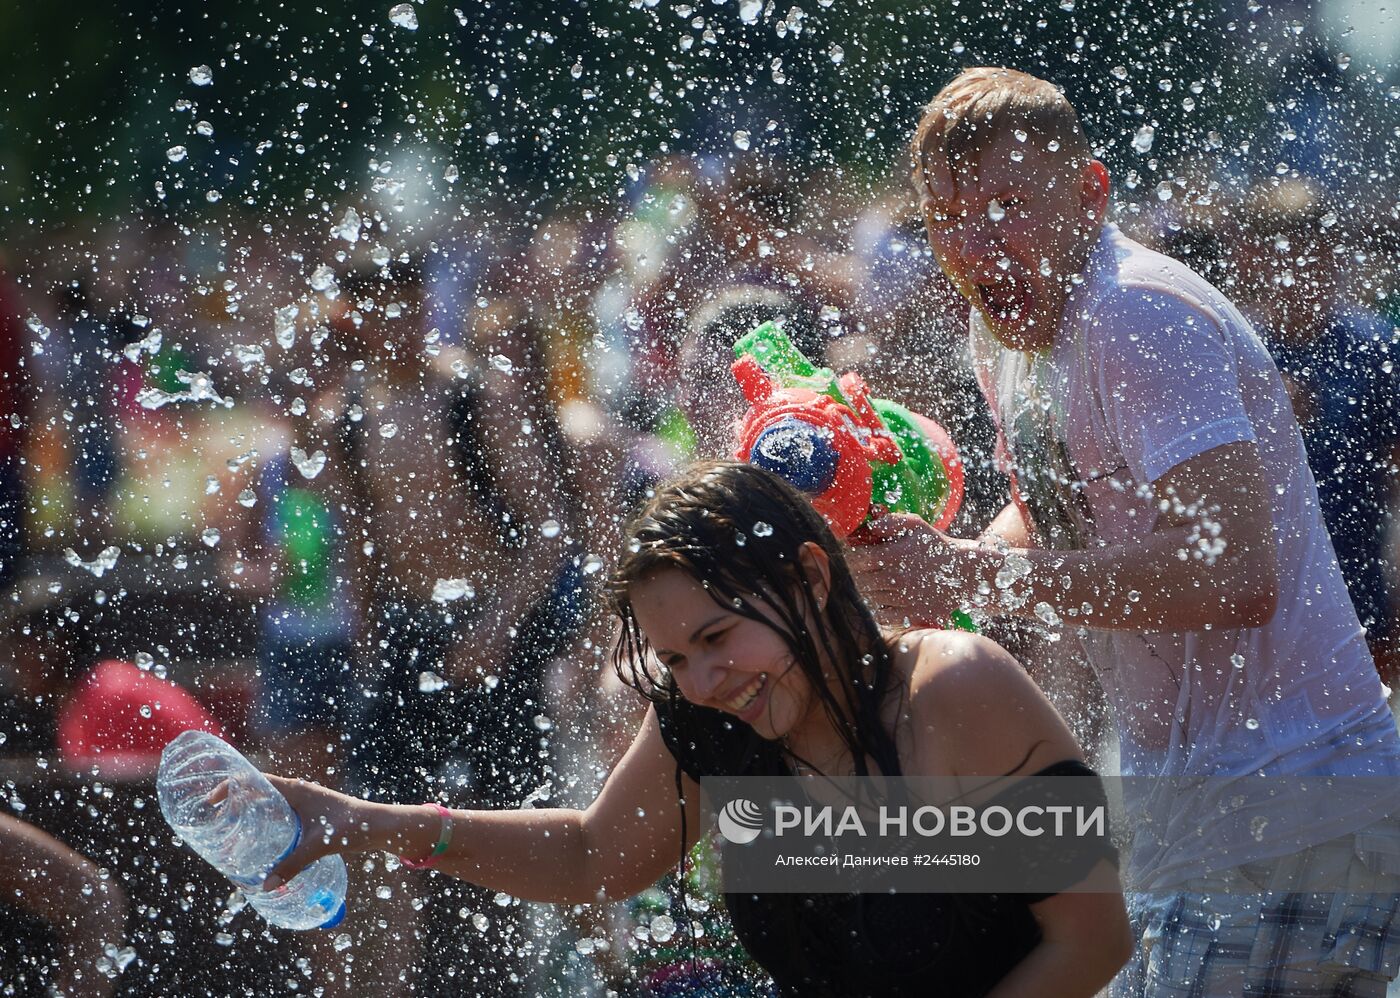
(444, 840)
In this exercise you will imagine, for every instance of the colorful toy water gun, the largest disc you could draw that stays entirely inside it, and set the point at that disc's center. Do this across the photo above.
(855, 456)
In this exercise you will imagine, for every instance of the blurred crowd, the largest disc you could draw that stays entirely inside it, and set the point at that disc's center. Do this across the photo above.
(358, 494)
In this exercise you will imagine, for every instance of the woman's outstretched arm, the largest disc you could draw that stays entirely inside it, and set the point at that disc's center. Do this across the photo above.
(621, 844)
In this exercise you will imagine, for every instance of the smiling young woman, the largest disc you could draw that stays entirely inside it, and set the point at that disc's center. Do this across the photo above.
(743, 627)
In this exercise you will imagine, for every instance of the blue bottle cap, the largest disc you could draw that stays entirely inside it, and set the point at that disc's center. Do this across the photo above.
(335, 919)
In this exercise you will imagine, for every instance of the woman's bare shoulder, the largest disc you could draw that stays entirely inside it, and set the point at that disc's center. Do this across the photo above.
(975, 706)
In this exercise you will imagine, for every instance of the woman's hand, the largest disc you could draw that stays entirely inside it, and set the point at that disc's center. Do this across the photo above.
(331, 822)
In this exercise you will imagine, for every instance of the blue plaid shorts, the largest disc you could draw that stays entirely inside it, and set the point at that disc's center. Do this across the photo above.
(1243, 933)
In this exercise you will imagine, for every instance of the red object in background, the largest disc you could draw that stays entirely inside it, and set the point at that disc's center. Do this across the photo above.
(105, 721)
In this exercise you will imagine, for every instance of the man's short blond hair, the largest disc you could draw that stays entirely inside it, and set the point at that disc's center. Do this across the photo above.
(981, 104)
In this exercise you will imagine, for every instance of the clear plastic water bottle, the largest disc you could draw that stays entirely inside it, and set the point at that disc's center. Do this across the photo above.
(248, 832)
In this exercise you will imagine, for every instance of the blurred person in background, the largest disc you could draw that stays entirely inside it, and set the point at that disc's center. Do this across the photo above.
(14, 419)
(706, 392)
(1338, 360)
(456, 521)
(282, 542)
(88, 394)
(73, 917)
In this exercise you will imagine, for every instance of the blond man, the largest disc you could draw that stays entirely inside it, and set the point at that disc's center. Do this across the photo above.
(1163, 508)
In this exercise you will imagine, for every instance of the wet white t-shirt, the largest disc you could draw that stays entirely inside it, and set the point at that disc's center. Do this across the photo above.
(1151, 367)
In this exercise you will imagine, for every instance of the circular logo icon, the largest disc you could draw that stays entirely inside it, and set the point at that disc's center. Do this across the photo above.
(741, 821)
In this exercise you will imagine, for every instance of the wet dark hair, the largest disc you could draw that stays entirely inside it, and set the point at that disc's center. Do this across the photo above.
(738, 530)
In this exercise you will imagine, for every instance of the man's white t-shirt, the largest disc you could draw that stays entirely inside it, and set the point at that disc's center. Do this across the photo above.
(1150, 367)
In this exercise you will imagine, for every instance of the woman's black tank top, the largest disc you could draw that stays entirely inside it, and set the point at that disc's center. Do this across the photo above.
(852, 945)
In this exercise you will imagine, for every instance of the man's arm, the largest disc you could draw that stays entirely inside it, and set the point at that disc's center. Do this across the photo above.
(1211, 559)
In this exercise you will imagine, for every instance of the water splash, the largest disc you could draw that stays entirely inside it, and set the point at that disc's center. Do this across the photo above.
(284, 326)
(200, 389)
(449, 590)
(348, 228)
(105, 561)
(404, 16)
(310, 465)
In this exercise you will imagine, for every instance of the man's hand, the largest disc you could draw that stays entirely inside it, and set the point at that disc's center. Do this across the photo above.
(909, 572)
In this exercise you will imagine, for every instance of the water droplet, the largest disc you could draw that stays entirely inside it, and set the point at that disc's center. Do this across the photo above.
(389, 430)
(481, 922)
(284, 326)
(502, 363)
(384, 892)
(430, 682)
(210, 537)
(309, 465)
(493, 138)
(995, 211)
(204, 128)
(201, 76)
(1164, 191)
(592, 564)
(248, 354)
(1143, 138)
(749, 10)
(213, 197)
(1237, 660)
(741, 139)
(176, 153)
(837, 53)
(105, 561)
(145, 710)
(1013, 568)
(1047, 615)
(762, 529)
(543, 723)
(144, 661)
(550, 528)
(348, 228)
(323, 279)
(502, 899)
(404, 16)
(1257, 824)
(343, 942)
(450, 590)
(224, 939)
(576, 70)
(663, 927)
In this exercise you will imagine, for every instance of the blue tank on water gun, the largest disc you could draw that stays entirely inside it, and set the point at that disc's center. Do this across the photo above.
(855, 456)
